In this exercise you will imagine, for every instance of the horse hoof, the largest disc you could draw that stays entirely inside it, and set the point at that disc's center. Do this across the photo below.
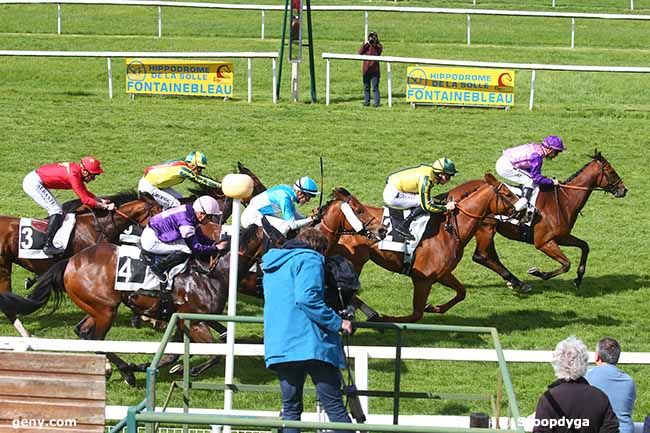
(108, 369)
(533, 271)
(523, 288)
(429, 308)
(129, 378)
(577, 282)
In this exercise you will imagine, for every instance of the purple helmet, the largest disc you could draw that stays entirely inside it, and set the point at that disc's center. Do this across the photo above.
(553, 142)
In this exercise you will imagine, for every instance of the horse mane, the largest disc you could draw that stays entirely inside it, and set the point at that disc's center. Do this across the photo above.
(478, 184)
(597, 156)
(248, 234)
(119, 199)
(340, 191)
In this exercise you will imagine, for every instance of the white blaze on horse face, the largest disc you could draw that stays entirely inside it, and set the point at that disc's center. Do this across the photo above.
(352, 218)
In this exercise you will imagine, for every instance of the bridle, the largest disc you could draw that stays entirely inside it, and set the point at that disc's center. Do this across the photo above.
(358, 226)
(612, 184)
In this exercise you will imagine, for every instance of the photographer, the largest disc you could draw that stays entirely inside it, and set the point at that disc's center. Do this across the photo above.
(301, 333)
(371, 47)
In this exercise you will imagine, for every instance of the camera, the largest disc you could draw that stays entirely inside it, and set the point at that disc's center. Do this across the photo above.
(355, 404)
(373, 39)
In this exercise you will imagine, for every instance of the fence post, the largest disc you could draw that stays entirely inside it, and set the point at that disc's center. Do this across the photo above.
(58, 19)
(263, 24)
(631, 5)
(250, 80)
(532, 90)
(273, 68)
(389, 69)
(110, 78)
(327, 82)
(553, 4)
(365, 25)
(361, 377)
(160, 21)
(573, 32)
(469, 32)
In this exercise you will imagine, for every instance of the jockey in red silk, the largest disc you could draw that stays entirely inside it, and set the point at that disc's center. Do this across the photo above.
(523, 166)
(63, 175)
(159, 179)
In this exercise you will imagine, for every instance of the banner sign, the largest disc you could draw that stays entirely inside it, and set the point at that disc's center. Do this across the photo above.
(179, 77)
(460, 86)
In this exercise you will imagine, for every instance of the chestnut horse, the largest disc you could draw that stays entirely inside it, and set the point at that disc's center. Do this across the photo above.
(558, 209)
(91, 227)
(89, 280)
(439, 251)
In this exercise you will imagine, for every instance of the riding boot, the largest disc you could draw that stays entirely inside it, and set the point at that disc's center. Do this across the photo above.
(403, 228)
(168, 262)
(54, 223)
(527, 211)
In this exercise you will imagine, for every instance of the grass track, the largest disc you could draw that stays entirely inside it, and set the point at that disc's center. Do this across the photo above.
(57, 109)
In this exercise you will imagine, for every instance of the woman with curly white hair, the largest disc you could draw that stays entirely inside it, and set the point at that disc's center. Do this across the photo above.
(570, 404)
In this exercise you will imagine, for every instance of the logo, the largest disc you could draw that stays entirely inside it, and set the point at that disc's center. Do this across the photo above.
(505, 80)
(417, 78)
(136, 71)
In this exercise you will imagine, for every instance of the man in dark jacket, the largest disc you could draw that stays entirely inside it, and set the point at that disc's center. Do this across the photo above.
(570, 404)
(371, 47)
(300, 331)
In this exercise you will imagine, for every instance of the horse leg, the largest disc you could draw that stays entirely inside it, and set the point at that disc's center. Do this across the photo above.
(358, 303)
(199, 333)
(421, 290)
(5, 286)
(486, 254)
(452, 282)
(552, 249)
(572, 241)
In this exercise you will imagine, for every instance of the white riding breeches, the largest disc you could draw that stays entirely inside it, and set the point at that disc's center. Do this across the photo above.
(397, 199)
(150, 242)
(506, 170)
(167, 197)
(252, 216)
(33, 186)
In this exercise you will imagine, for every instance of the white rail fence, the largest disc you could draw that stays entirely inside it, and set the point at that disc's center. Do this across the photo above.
(365, 9)
(360, 354)
(159, 55)
(534, 67)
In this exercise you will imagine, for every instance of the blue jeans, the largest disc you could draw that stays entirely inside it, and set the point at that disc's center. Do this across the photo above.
(368, 81)
(327, 379)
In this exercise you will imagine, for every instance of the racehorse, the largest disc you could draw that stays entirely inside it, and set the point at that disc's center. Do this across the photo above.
(91, 227)
(558, 210)
(439, 251)
(89, 280)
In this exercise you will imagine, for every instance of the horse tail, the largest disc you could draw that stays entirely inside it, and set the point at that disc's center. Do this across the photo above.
(12, 304)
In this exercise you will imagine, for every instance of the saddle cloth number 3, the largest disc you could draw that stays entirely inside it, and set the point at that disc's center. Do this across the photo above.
(31, 239)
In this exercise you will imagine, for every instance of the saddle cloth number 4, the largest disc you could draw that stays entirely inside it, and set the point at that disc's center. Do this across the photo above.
(131, 270)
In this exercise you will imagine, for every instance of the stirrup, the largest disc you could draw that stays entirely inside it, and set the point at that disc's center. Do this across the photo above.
(406, 233)
(51, 250)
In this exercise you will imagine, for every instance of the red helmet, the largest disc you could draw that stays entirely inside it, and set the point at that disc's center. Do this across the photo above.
(91, 164)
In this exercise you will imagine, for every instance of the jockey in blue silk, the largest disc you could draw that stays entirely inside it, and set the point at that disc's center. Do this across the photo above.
(523, 165)
(278, 205)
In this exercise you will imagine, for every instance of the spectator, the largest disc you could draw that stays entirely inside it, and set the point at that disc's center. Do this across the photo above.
(371, 47)
(570, 403)
(300, 330)
(618, 385)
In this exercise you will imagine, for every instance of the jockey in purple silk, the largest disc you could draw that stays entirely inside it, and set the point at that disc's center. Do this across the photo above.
(523, 165)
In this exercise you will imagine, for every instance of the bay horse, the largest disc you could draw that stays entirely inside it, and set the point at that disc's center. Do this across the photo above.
(440, 250)
(91, 227)
(88, 278)
(558, 209)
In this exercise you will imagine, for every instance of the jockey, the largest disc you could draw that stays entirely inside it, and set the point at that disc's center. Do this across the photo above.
(176, 233)
(159, 179)
(63, 175)
(523, 166)
(278, 205)
(411, 188)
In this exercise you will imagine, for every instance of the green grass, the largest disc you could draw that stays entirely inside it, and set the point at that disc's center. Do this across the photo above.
(57, 109)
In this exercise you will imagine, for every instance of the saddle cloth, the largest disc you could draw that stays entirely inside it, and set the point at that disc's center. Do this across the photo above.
(131, 235)
(396, 242)
(33, 234)
(531, 203)
(132, 273)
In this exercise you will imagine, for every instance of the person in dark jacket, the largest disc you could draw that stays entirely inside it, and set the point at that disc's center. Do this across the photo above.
(570, 404)
(371, 47)
(301, 333)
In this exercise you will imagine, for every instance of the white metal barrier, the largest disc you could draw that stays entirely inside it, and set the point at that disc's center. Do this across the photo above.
(534, 67)
(173, 55)
(365, 9)
(360, 354)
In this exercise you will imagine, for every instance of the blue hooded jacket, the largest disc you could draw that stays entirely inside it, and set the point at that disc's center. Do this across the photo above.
(298, 325)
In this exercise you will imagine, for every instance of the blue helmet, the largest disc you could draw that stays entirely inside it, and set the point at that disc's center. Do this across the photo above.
(306, 185)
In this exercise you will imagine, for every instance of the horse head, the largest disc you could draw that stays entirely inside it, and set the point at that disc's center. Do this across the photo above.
(345, 214)
(504, 203)
(608, 179)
